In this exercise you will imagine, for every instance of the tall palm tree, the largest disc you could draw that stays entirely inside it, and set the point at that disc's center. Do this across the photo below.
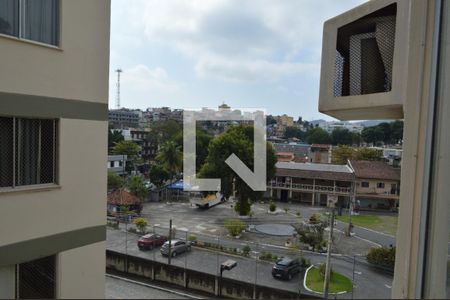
(170, 157)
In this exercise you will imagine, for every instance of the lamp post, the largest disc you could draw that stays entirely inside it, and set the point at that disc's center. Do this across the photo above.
(227, 265)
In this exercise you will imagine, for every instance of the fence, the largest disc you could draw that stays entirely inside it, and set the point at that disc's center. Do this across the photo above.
(254, 264)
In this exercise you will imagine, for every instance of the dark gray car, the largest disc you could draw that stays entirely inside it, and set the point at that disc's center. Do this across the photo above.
(177, 247)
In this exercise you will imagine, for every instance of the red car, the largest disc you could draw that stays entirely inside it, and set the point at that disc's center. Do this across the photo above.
(150, 241)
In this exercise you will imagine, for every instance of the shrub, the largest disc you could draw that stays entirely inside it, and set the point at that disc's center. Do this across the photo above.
(246, 207)
(322, 270)
(192, 238)
(246, 250)
(272, 206)
(382, 257)
(234, 226)
(314, 219)
(298, 214)
(141, 224)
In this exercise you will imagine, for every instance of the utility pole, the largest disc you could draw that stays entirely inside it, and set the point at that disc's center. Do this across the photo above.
(326, 283)
(170, 242)
(119, 70)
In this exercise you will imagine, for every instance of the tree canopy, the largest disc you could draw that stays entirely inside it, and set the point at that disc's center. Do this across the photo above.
(341, 136)
(318, 136)
(237, 140)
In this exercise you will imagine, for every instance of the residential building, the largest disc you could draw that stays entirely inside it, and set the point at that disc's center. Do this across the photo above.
(330, 126)
(392, 156)
(285, 120)
(377, 185)
(117, 164)
(123, 118)
(301, 151)
(311, 183)
(321, 154)
(53, 141)
(285, 156)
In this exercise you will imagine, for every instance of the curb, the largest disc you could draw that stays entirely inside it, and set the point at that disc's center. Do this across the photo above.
(315, 292)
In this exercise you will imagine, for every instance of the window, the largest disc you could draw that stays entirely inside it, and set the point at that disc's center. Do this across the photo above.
(365, 184)
(36, 20)
(28, 148)
(380, 185)
(36, 279)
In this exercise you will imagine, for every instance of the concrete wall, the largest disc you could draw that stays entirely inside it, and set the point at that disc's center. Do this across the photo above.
(8, 282)
(191, 279)
(81, 272)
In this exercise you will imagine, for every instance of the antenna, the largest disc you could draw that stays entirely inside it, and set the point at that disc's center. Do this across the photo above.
(119, 70)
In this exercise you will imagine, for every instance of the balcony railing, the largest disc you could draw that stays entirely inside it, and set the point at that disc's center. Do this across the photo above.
(310, 187)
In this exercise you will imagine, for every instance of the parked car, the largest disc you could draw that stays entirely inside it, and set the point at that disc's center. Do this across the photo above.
(150, 241)
(286, 268)
(178, 246)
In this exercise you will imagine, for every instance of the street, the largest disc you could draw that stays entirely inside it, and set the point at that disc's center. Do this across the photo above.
(368, 283)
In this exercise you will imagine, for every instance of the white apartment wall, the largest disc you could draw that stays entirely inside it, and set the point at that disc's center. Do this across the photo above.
(81, 272)
(78, 70)
(80, 199)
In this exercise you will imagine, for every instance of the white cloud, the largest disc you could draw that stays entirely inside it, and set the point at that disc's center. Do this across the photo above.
(259, 40)
(140, 84)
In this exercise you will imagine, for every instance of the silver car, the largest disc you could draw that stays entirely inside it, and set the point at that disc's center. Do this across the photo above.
(177, 247)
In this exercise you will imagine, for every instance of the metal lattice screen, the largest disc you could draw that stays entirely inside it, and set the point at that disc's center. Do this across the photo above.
(28, 148)
(36, 279)
(365, 53)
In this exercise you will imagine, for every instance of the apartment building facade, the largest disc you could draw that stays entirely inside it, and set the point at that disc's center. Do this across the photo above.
(53, 120)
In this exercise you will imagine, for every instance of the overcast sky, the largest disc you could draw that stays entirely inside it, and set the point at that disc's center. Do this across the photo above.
(200, 53)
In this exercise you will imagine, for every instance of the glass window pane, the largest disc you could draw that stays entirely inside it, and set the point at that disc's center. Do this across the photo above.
(9, 17)
(41, 21)
(48, 147)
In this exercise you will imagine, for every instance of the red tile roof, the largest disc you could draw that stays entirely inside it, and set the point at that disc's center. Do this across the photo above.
(122, 197)
(374, 170)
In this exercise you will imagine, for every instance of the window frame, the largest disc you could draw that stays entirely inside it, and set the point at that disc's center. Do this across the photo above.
(55, 149)
(21, 25)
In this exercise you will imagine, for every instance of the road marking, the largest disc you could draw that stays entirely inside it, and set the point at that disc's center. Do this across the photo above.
(388, 286)
(212, 230)
(357, 272)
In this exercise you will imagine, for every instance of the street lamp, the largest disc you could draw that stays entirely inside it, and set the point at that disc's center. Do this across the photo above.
(227, 265)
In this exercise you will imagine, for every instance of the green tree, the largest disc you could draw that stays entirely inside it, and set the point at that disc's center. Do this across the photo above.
(131, 150)
(234, 226)
(170, 157)
(137, 187)
(114, 181)
(372, 135)
(397, 132)
(294, 132)
(356, 138)
(114, 137)
(237, 140)
(270, 120)
(141, 224)
(158, 175)
(318, 136)
(367, 154)
(341, 136)
(341, 154)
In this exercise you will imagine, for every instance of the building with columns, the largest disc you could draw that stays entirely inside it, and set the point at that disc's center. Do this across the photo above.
(312, 183)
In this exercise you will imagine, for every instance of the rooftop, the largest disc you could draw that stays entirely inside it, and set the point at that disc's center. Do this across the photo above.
(374, 170)
(122, 197)
(315, 171)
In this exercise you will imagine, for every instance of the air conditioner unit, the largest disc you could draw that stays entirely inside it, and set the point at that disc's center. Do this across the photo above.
(364, 62)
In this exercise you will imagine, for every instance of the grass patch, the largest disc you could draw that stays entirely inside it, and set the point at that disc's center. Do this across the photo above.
(386, 224)
(338, 282)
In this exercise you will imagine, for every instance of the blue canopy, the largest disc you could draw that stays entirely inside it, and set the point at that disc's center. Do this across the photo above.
(179, 185)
